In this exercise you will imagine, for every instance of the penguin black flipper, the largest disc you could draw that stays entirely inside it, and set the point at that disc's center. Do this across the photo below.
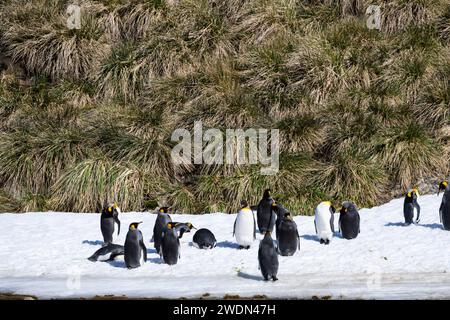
(234, 226)
(315, 226)
(143, 247)
(298, 237)
(254, 226)
(441, 209)
(359, 224)
(116, 219)
(331, 223)
(417, 206)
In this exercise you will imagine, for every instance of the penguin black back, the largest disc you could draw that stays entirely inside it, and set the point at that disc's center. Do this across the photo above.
(135, 250)
(349, 220)
(409, 205)
(204, 239)
(268, 258)
(287, 236)
(444, 209)
(170, 241)
(109, 216)
(161, 221)
(264, 213)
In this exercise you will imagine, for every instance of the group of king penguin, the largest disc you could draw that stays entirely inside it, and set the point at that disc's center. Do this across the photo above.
(270, 215)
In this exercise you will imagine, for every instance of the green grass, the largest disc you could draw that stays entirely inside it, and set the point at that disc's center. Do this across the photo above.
(86, 115)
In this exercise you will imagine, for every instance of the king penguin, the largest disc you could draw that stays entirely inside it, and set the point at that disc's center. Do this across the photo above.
(324, 221)
(109, 216)
(349, 220)
(161, 222)
(410, 205)
(135, 250)
(444, 209)
(170, 241)
(268, 257)
(107, 253)
(204, 239)
(264, 213)
(288, 238)
(245, 226)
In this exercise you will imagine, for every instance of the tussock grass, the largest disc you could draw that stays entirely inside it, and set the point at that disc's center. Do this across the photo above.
(87, 115)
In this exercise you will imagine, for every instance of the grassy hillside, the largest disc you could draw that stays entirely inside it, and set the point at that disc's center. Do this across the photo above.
(88, 114)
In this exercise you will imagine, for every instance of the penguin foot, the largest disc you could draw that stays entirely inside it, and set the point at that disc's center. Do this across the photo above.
(266, 278)
(321, 241)
(274, 278)
(327, 241)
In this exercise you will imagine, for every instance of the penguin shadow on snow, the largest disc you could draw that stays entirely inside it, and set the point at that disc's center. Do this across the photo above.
(117, 264)
(310, 237)
(227, 244)
(402, 224)
(249, 276)
(93, 243)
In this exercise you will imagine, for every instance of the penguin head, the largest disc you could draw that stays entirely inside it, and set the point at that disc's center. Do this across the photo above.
(346, 206)
(413, 193)
(113, 208)
(267, 193)
(244, 204)
(442, 186)
(190, 226)
(287, 216)
(164, 209)
(134, 225)
(330, 205)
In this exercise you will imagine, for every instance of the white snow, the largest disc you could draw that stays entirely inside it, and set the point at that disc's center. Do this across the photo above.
(44, 254)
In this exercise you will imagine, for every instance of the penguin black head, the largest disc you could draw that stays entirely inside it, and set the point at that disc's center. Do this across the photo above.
(112, 208)
(190, 226)
(266, 194)
(244, 204)
(346, 206)
(288, 216)
(164, 209)
(134, 225)
(442, 186)
(413, 193)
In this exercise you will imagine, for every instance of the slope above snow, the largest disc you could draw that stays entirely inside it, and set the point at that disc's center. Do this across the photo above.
(45, 254)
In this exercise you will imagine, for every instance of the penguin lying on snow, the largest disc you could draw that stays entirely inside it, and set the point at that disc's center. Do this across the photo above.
(204, 239)
(324, 221)
(349, 220)
(161, 221)
(444, 209)
(170, 241)
(244, 226)
(109, 216)
(410, 205)
(108, 252)
(288, 238)
(264, 214)
(135, 250)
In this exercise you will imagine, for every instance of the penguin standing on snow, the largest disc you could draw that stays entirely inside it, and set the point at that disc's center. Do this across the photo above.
(135, 250)
(204, 239)
(268, 257)
(324, 221)
(161, 222)
(170, 241)
(444, 209)
(280, 211)
(349, 220)
(410, 205)
(109, 216)
(244, 226)
(288, 238)
(264, 214)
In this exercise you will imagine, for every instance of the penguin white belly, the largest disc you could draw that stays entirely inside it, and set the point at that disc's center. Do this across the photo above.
(323, 226)
(244, 228)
